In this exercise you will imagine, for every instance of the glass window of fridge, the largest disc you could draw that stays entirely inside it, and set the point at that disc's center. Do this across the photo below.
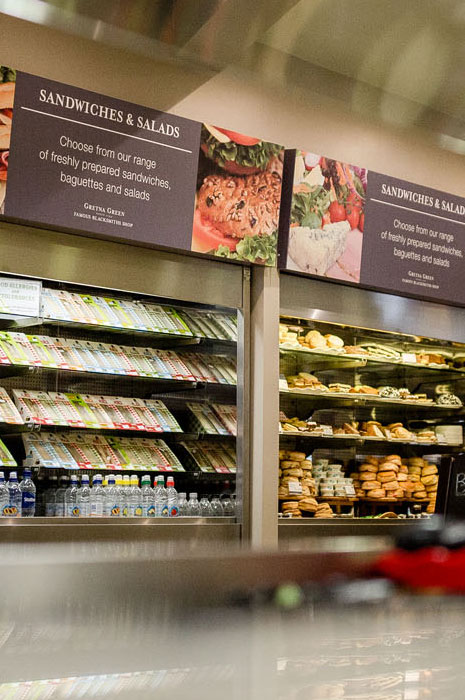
(117, 405)
(368, 420)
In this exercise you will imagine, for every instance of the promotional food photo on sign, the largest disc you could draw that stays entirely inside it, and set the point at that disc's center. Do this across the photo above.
(238, 196)
(7, 96)
(327, 217)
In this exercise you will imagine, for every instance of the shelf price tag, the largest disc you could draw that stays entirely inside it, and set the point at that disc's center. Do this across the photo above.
(294, 488)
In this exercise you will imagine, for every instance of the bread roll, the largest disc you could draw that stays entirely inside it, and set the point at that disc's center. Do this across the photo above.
(414, 477)
(290, 464)
(306, 464)
(293, 472)
(367, 476)
(372, 460)
(369, 485)
(391, 486)
(429, 470)
(386, 476)
(388, 467)
(430, 480)
(315, 339)
(376, 493)
(416, 461)
(309, 505)
(393, 458)
(366, 467)
(297, 456)
(334, 341)
(398, 493)
(402, 477)
(403, 469)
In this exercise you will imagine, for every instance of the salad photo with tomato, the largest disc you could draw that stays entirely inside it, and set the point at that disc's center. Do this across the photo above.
(327, 217)
(238, 196)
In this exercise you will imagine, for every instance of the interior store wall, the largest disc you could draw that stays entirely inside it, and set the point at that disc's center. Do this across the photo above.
(233, 98)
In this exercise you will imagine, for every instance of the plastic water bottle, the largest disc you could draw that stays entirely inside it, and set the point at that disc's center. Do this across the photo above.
(4, 497)
(217, 508)
(28, 495)
(205, 508)
(183, 505)
(50, 498)
(97, 497)
(71, 505)
(14, 506)
(148, 498)
(83, 497)
(194, 505)
(172, 498)
(126, 496)
(40, 495)
(135, 498)
(161, 498)
(119, 493)
(112, 496)
(60, 510)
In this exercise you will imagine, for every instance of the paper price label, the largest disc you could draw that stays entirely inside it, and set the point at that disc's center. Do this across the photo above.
(294, 488)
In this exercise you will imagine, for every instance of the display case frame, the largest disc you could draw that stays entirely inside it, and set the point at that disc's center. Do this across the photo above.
(81, 261)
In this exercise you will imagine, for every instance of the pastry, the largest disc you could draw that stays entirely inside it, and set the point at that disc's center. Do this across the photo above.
(391, 485)
(283, 454)
(363, 389)
(308, 504)
(290, 464)
(386, 477)
(365, 467)
(355, 350)
(367, 476)
(398, 493)
(420, 494)
(360, 493)
(369, 485)
(340, 388)
(293, 472)
(350, 429)
(334, 341)
(415, 470)
(401, 477)
(430, 480)
(306, 465)
(372, 460)
(376, 493)
(401, 433)
(314, 339)
(388, 392)
(430, 469)
(448, 400)
(393, 458)
(389, 467)
(289, 480)
(297, 456)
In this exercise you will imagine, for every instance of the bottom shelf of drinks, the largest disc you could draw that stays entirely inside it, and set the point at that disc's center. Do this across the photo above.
(112, 496)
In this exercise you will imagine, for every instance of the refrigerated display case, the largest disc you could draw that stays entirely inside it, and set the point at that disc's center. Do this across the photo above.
(124, 379)
(371, 413)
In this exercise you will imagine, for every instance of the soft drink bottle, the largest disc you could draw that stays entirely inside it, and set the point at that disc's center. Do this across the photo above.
(172, 498)
(71, 506)
(112, 496)
(97, 497)
(161, 498)
(4, 497)
(148, 498)
(14, 506)
(28, 495)
(50, 498)
(83, 497)
(60, 510)
(135, 500)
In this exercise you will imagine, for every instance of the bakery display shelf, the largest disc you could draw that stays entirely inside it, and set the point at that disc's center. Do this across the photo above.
(168, 339)
(345, 440)
(383, 501)
(334, 359)
(369, 400)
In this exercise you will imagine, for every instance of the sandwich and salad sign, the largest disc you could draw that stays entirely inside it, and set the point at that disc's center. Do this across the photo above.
(75, 160)
(348, 224)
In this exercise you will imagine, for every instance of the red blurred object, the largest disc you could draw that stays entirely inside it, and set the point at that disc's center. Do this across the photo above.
(430, 567)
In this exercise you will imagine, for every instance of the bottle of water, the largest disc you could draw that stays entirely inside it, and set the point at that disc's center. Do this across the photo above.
(4, 497)
(135, 499)
(71, 505)
(126, 496)
(161, 498)
(97, 497)
(60, 510)
(83, 497)
(28, 495)
(112, 496)
(194, 506)
(183, 505)
(119, 493)
(217, 508)
(172, 498)
(14, 506)
(205, 508)
(50, 498)
(148, 498)
(228, 506)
